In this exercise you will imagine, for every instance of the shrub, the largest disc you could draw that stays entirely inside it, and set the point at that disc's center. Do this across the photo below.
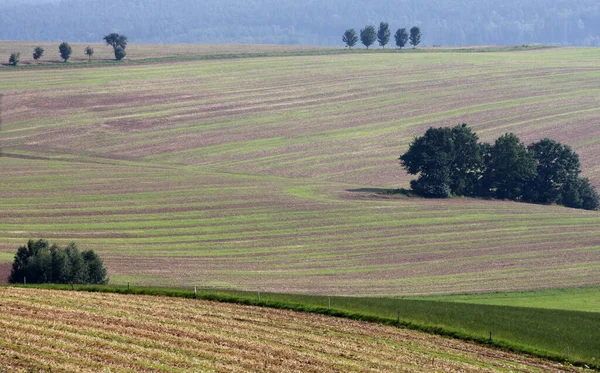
(38, 52)
(120, 53)
(89, 51)
(14, 58)
(65, 51)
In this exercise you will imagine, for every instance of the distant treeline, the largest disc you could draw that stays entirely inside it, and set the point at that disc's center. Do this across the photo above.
(311, 22)
(452, 161)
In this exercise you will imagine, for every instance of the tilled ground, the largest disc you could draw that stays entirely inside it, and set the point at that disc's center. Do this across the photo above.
(85, 332)
(260, 172)
(5, 269)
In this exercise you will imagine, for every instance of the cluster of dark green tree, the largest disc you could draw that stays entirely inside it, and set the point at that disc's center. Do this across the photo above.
(307, 22)
(369, 35)
(39, 263)
(452, 161)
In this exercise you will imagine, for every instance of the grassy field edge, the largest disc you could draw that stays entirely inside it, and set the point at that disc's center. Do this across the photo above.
(316, 52)
(278, 301)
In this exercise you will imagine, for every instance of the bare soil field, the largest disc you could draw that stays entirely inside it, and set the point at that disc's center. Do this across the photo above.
(62, 331)
(264, 172)
(5, 269)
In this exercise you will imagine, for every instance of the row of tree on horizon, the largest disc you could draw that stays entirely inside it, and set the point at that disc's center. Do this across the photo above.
(369, 35)
(117, 41)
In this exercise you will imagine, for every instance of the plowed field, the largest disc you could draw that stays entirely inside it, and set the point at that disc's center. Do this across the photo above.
(265, 172)
(88, 332)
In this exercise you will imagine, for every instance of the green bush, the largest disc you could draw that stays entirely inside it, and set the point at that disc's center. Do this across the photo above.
(39, 263)
(14, 58)
(120, 53)
(38, 52)
(65, 51)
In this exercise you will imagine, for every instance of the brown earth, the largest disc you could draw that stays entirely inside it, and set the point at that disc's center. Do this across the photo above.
(5, 269)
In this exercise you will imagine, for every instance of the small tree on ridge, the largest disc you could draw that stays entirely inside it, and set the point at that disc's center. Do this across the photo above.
(415, 36)
(401, 37)
(38, 52)
(14, 58)
(65, 51)
(383, 34)
(368, 35)
(118, 42)
(350, 38)
(89, 51)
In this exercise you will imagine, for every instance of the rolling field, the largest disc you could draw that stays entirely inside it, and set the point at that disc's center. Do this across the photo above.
(265, 172)
(66, 331)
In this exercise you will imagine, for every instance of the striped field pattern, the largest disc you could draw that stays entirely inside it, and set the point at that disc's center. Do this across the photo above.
(61, 331)
(268, 172)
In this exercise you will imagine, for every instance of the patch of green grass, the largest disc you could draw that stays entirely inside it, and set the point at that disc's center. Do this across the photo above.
(575, 299)
(542, 332)
(6, 257)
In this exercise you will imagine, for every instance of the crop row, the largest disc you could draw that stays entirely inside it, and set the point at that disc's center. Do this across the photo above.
(65, 331)
(265, 173)
(181, 226)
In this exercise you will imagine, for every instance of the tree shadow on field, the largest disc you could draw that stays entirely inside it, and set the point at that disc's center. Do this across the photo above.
(383, 191)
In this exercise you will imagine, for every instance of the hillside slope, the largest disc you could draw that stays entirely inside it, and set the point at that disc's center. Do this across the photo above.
(267, 172)
(65, 331)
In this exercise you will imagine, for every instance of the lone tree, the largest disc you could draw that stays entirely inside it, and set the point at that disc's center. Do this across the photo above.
(383, 34)
(14, 58)
(350, 38)
(39, 263)
(401, 37)
(368, 35)
(118, 42)
(89, 51)
(65, 51)
(415, 36)
(38, 52)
